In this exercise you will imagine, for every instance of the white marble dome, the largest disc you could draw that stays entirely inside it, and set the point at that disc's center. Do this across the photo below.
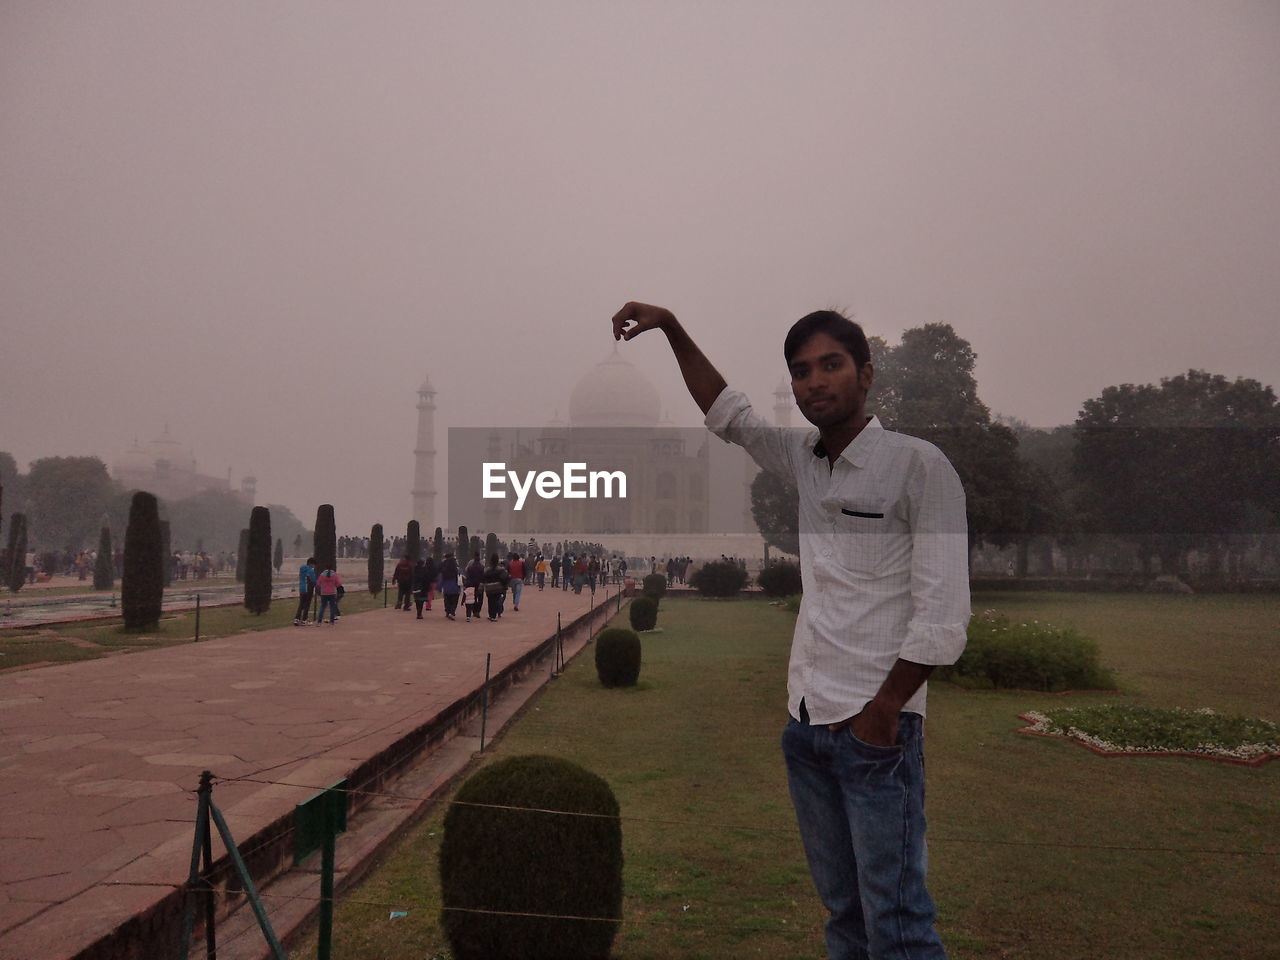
(614, 393)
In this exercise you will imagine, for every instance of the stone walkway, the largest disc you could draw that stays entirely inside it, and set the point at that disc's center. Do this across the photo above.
(99, 759)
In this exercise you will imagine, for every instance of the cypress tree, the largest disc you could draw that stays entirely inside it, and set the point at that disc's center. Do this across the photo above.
(142, 586)
(166, 554)
(257, 563)
(413, 542)
(476, 547)
(277, 560)
(490, 545)
(104, 575)
(326, 538)
(242, 555)
(375, 559)
(17, 572)
(464, 545)
(437, 546)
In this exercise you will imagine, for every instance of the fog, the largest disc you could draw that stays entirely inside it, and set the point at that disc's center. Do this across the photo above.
(263, 224)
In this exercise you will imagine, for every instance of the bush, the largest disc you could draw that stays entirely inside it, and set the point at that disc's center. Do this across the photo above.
(654, 585)
(375, 559)
(1028, 656)
(257, 562)
(781, 579)
(720, 578)
(142, 585)
(104, 569)
(522, 861)
(618, 657)
(325, 538)
(644, 613)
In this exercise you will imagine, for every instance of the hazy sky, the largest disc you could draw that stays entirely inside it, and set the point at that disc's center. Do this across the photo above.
(264, 222)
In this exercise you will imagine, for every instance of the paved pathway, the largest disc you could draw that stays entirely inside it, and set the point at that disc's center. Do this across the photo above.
(98, 759)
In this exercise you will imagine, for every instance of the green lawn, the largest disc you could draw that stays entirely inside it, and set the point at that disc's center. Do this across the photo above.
(1039, 848)
(88, 640)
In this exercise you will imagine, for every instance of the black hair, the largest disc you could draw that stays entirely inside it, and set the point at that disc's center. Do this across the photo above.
(835, 325)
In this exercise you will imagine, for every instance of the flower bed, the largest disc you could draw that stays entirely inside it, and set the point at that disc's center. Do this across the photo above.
(1122, 730)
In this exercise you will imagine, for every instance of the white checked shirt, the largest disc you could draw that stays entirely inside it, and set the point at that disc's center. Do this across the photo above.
(883, 557)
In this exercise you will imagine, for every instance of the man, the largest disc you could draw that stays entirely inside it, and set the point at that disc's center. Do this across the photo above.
(329, 583)
(515, 567)
(402, 577)
(306, 590)
(883, 555)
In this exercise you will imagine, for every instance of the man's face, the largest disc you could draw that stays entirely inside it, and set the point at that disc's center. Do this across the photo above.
(828, 385)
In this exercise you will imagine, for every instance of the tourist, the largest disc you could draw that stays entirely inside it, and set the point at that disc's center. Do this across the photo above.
(329, 583)
(471, 580)
(421, 584)
(555, 571)
(540, 568)
(402, 577)
(449, 588)
(494, 580)
(883, 544)
(432, 574)
(593, 572)
(306, 590)
(516, 568)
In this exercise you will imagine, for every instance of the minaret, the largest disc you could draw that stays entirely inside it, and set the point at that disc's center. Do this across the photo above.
(424, 459)
(783, 404)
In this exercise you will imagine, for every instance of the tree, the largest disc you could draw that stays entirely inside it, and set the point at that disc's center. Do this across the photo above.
(242, 555)
(925, 387)
(66, 498)
(216, 518)
(17, 553)
(277, 559)
(257, 565)
(142, 586)
(413, 541)
(437, 546)
(104, 573)
(326, 538)
(464, 545)
(490, 544)
(1178, 466)
(375, 559)
(775, 509)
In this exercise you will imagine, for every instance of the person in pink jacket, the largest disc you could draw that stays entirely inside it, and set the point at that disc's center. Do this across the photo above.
(328, 584)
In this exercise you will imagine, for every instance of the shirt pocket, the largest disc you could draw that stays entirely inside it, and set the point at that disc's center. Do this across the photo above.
(860, 528)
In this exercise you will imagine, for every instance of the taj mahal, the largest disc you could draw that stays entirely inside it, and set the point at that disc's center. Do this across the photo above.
(688, 492)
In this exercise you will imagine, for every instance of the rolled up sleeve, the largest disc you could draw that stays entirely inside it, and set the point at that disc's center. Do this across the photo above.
(936, 632)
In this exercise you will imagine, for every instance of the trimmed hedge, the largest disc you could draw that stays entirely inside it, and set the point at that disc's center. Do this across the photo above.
(1028, 656)
(522, 861)
(781, 579)
(720, 578)
(644, 613)
(618, 657)
(654, 585)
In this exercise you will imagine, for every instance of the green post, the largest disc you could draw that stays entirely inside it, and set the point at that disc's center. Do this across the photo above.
(319, 821)
(484, 700)
(197, 640)
(384, 594)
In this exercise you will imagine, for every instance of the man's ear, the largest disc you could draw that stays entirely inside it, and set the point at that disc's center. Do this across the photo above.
(866, 375)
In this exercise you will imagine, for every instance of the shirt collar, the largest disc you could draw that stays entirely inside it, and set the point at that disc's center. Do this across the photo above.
(859, 449)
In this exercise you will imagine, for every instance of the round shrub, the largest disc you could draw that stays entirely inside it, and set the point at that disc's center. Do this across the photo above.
(618, 657)
(781, 579)
(644, 613)
(523, 861)
(654, 585)
(720, 578)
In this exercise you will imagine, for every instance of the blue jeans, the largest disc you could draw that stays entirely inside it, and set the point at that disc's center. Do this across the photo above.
(861, 813)
(329, 600)
(517, 587)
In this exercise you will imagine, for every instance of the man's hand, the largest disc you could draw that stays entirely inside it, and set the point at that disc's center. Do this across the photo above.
(876, 725)
(635, 318)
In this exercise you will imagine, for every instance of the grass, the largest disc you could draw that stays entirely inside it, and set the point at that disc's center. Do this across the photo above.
(91, 639)
(1037, 848)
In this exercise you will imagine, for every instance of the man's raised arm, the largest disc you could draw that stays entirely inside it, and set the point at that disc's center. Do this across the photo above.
(703, 380)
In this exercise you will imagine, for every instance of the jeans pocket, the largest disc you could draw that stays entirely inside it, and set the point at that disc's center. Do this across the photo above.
(874, 750)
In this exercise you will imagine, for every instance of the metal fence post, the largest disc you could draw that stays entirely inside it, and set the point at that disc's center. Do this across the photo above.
(197, 640)
(484, 700)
